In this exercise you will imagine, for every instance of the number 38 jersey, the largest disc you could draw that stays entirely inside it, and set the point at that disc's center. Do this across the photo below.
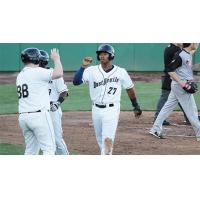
(105, 87)
(32, 88)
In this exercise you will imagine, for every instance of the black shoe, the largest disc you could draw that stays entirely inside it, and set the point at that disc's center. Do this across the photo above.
(160, 136)
(199, 118)
(166, 123)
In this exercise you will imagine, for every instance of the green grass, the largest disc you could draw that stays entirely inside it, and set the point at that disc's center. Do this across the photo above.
(8, 99)
(147, 93)
(11, 149)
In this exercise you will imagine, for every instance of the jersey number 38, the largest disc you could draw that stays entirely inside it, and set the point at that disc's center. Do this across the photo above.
(22, 91)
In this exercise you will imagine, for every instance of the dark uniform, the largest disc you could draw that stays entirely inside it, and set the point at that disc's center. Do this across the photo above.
(169, 54)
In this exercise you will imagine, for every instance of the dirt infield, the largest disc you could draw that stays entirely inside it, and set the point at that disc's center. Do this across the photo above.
(132, 135)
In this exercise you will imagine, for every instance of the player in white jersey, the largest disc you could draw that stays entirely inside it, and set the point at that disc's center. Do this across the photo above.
(105, 84)
(32, 88)
(58, 91)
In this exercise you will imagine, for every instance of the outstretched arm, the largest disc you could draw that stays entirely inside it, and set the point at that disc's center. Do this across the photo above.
(79, 74)
(58, 70)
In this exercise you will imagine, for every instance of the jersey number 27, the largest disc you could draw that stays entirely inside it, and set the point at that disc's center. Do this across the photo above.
(22, 91)
(112, 90)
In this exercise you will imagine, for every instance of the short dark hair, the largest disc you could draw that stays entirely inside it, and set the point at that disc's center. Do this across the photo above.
(186, 45)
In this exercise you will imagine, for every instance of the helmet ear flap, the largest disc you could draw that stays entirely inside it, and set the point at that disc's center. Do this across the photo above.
(98, 57)
(111, 57)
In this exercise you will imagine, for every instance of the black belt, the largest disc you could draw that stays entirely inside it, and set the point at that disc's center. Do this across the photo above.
(31, 112)
(104, 106)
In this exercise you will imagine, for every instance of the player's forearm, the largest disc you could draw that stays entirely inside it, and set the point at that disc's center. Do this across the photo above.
(131, 93)
(78, 76)
(132, 97)
(176, 78)
(55, 105)
(136, 107)
(62, 96)
(58, 70)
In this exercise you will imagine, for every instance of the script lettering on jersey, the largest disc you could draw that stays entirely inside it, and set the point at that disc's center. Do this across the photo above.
(105, 81)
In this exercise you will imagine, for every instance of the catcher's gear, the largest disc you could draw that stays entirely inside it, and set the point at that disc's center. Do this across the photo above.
(137, 111)
(108, 49)
(30, 55)
(54, 106)
(44, 58)
(190, 87)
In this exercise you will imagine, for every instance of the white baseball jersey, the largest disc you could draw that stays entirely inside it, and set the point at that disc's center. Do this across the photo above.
(105, 87)
(32, 87)
(56, 87)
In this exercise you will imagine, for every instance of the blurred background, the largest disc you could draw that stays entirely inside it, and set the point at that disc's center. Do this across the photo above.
(139, 57)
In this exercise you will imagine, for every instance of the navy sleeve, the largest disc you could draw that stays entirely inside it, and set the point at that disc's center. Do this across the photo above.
(176, 62)
(78, 76)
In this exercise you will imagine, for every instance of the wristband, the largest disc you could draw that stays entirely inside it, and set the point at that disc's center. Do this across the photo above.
(61, 99)
(134, 103)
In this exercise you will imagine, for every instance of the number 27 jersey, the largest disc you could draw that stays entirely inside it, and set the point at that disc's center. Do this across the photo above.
(105, 87)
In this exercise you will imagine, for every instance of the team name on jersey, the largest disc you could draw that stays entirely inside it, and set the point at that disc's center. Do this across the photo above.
(105, 81)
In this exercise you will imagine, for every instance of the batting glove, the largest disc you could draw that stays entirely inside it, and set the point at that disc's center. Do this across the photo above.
(54, 106)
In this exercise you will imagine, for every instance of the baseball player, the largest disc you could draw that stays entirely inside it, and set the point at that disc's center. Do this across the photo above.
(182, 89)
(169, 54)
(58, 91)
(105, 83)
(32, 88)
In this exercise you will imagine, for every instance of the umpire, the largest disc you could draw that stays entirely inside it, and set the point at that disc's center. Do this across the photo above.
(169, 54)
